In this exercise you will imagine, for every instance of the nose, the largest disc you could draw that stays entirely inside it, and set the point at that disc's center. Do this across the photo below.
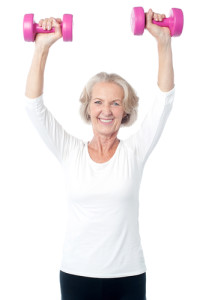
(106, 111)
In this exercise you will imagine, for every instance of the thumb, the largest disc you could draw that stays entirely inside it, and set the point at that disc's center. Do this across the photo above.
(56, 25)
(149, 17)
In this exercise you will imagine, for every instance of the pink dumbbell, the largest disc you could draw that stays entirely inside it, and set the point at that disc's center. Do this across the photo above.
(174, 22)
(30, 28)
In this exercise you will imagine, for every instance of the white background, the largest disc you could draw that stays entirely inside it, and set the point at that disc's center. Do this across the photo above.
(32, 195)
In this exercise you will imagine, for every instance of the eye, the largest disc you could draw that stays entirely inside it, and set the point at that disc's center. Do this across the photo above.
(115, 103)
(97, 102)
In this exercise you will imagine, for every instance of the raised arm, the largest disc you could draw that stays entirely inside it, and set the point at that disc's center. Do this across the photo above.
(53, 134)
(152, 127)
(162, 35)
(35, 79)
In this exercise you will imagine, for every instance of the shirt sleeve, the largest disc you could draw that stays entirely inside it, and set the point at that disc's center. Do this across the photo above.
(152, 127)
(52, 133)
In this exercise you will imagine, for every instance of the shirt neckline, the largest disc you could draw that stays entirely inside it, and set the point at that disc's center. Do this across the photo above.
(105, 163)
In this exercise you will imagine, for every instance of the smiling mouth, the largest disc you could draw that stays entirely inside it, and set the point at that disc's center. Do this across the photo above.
(106, 121)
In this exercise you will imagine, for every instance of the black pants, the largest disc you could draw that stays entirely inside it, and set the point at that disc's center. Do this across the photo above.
(74, 287)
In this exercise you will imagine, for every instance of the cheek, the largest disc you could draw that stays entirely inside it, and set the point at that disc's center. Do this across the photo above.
(93, 111)
(120, 113)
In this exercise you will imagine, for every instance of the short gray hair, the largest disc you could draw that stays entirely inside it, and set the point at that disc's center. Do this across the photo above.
(130, 101)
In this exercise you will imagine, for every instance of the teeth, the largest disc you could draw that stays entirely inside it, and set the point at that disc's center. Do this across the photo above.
(105, 121)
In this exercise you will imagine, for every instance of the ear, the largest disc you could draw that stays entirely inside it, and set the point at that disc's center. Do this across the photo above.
(125, 114)
(125, 118)
(88, 109)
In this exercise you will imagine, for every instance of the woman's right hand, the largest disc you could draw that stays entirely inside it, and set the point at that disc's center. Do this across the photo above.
(46, 40)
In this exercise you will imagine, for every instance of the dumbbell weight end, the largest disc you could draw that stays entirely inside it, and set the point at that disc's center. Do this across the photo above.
(28, 28)
(174, 22)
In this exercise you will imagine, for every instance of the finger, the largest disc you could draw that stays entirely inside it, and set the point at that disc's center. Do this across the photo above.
(40, 22)
(44, 24)
(58, 20)
(49, 23)
(158, 17)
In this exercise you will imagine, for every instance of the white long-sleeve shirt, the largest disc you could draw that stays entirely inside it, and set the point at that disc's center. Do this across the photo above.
(102, 231)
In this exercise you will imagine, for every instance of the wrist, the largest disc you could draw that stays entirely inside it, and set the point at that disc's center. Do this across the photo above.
(39, 59)
(41, 50)
(164, 43)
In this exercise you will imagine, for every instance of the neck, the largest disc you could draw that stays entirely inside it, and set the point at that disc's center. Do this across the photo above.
(103, 144)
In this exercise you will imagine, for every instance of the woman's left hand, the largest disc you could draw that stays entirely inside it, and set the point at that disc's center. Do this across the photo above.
(162, 34)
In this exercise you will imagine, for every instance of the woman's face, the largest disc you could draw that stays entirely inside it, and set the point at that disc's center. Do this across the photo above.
(106, 108)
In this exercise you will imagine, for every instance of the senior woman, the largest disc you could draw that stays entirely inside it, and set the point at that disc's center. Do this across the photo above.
(102, 255)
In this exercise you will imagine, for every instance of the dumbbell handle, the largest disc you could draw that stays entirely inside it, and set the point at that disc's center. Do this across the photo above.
(164, 23)
(39, 29)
